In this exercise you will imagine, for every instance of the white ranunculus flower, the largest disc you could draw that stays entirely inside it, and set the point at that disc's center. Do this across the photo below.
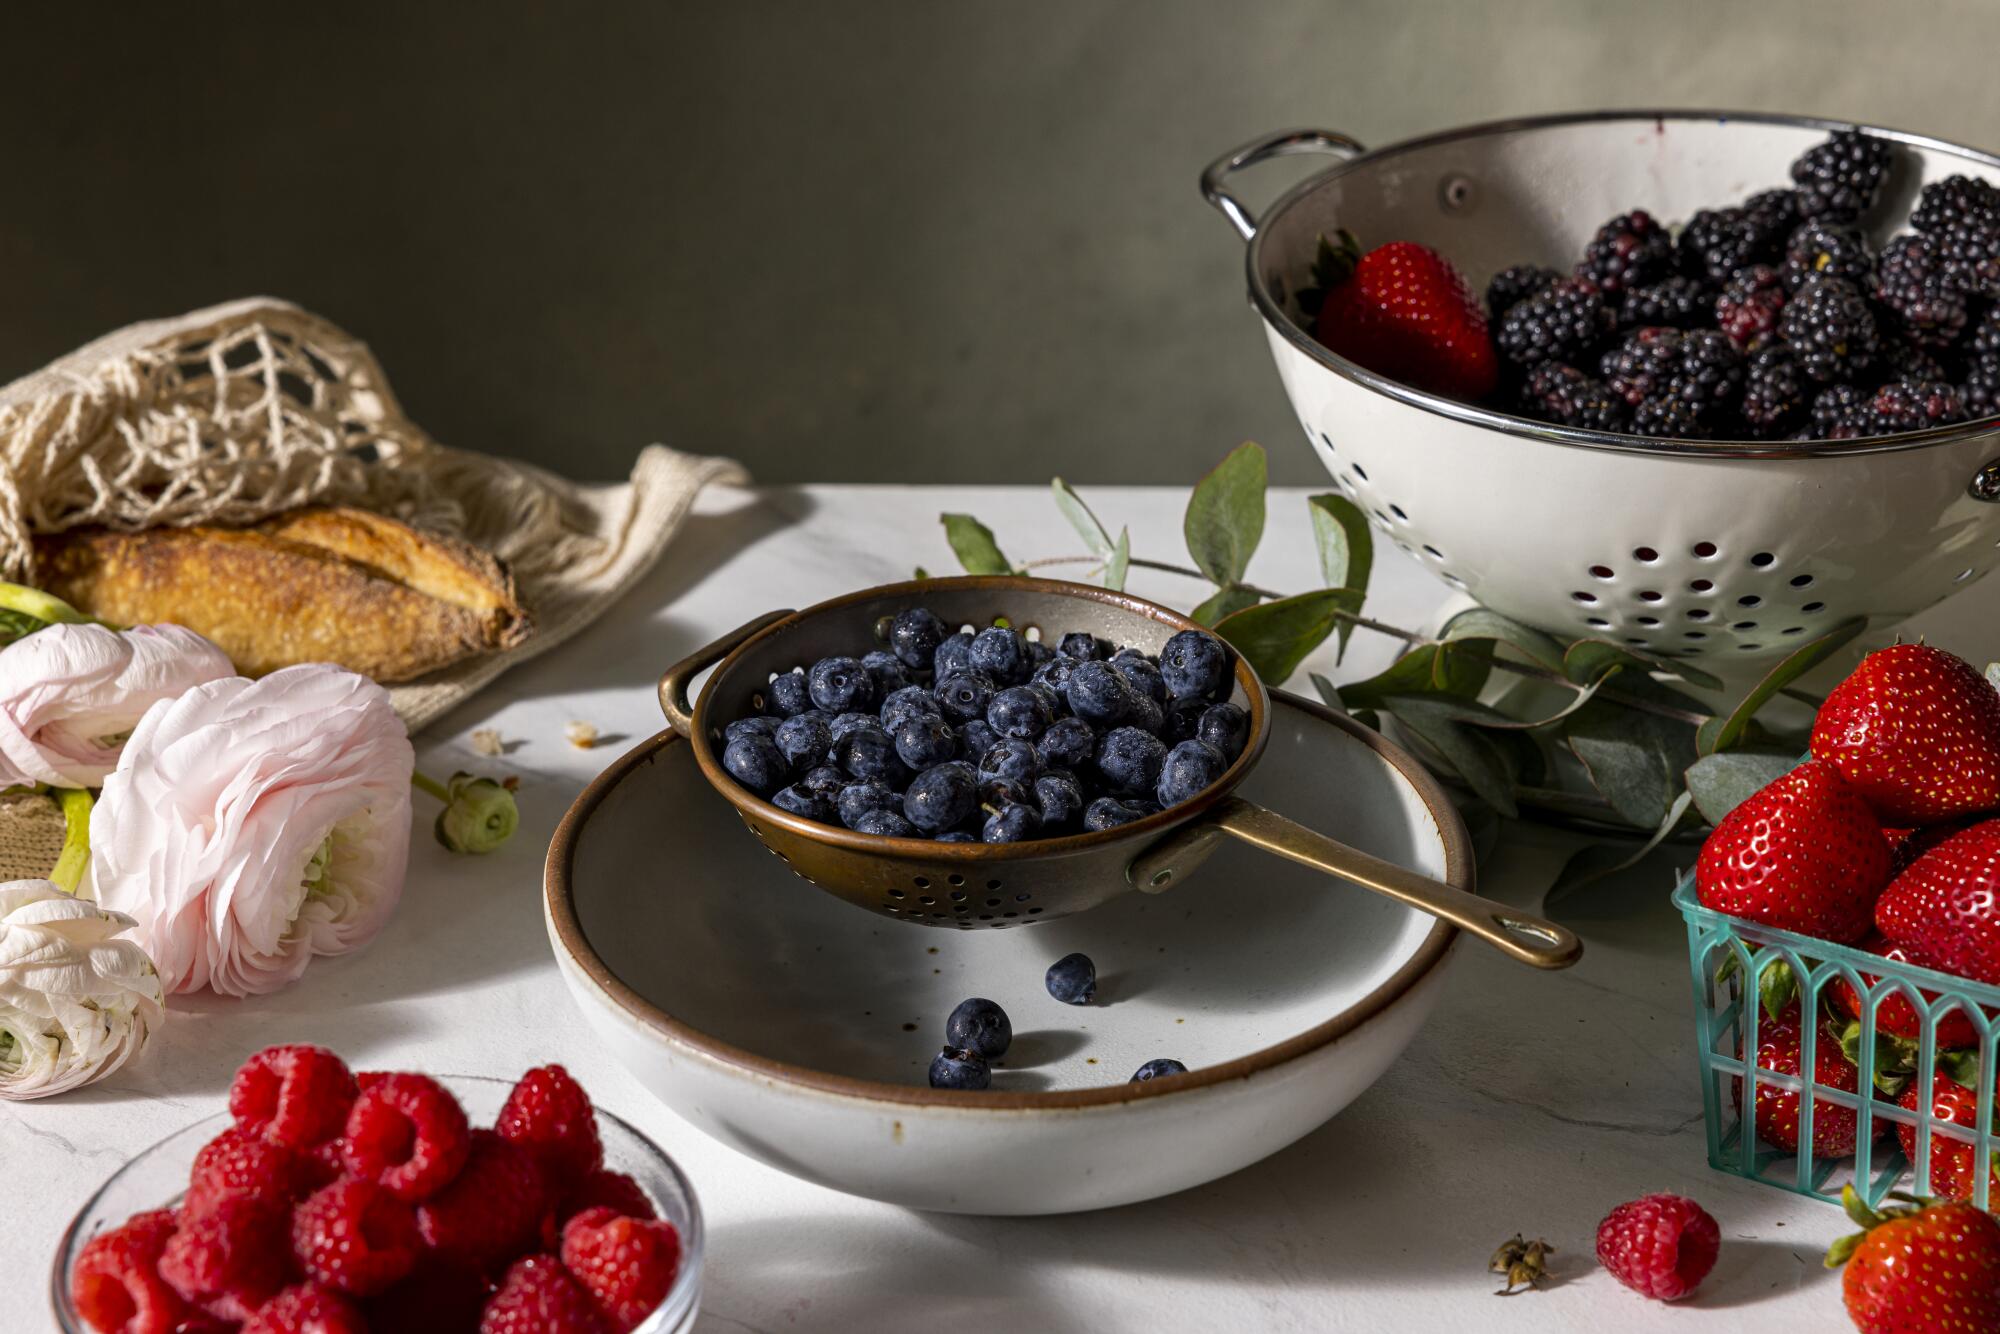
(254, 824)
(75, 1002)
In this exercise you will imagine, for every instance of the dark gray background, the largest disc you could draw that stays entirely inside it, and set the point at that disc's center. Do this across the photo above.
(840, 241)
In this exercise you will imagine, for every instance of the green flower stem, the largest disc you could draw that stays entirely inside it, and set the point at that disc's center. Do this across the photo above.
(75, 859)
(479, 814)
(42, 606)
(424, 783)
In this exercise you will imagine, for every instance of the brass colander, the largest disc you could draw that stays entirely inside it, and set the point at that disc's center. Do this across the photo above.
(971, 885)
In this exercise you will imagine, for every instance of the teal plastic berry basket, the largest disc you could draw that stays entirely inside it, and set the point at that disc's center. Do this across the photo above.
(1729, 958)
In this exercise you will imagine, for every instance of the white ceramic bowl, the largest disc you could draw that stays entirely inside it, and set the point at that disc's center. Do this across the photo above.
(798, 1029)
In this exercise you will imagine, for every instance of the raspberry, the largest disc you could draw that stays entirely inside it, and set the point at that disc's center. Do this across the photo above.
(1660, 1246)
(356, 1237)
(241, 1162)
(614, 1190)
(116, 1281)
(296, 1095)
(408, 1134)
(490, 1213)
(550, 1116)
(436, 1299)
(306, 1309)
(538, 1296)
(628, 1264)
(229, 1260)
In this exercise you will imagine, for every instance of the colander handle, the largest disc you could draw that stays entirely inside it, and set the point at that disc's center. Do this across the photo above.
(674, 681)
(1283, 143)
(1523, 935)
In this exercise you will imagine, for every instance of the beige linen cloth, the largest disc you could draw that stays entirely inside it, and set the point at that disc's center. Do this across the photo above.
(236, 412)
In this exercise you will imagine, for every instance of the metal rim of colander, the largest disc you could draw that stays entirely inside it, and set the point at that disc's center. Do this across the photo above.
(753, 806)
(559, 906)
(1274, 313)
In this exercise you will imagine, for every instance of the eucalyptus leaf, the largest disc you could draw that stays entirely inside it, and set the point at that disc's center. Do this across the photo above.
(1485, 766)
(1631, 758)
(1524, 756)
(1080, 518)
(1532, 644)
(972, 542)
(1587, 659)
(1225, 515)
(1410, 674)
(1722, 782)
(1462, 668)
(1119, 563)
(1329, 694)
(1502, 722)
(1602, 859)
(1346, 549)
(1225, 602)
(1275, 637)
(1729, 732)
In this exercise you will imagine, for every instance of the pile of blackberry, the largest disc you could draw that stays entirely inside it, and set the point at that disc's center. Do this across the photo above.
(1772, 319)
(991, 736)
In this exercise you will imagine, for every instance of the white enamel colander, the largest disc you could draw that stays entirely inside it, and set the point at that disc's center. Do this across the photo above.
(1729, 553)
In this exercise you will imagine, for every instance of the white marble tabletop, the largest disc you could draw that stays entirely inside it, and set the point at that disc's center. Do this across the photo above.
(1531, 1102)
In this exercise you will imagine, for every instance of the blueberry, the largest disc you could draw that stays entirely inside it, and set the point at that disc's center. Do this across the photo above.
(1058, 707)
(1142, 675)
(1004, 792)
(953, 655)
(915, 635)
(805, 739)
(1158, 1069)
(789, 693)
(959, 1068)
(954, 836)
(826, 781)
(1110, 812)
(1061, 798)
(1019, 711)
(801, 800)
(760, 724)
(924, 742)
(1226, 727)
(1098, 693)
(941, 798)
(975, 738)
(839, 685)
(981, 1025)
(1190, 767)
(1182, 719)
(1002, 654)
(847, 722)
(1146, 714)
(1129, 760)
(1194, 665)
(1081, 645)
(884, 824)
(964, 695)
(1012, 759)
(1070, 743)
(1054, 674)
(756, 762)
(863, 796)
(1012, 822)
(885, 669)
(867, 752)
(907, 703)
(1038, 653)
(1072, 979)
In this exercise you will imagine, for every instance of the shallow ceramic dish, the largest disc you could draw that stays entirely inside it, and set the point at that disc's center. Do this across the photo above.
(796, 1030)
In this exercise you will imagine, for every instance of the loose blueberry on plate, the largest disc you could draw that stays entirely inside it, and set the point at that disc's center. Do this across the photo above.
(756, 762)
(1098, 693)
(867, 752)
(953, 655)
(885, 824)
(941, 798)
(1011, 759)
(1070, 743)
(959, 1068)
(1226, 727)
(980, 1025)
(1158, 1069)
(789, 693)
(915, 634)
(1189, 767)
(1019, 711)
(885, 669)
(841, 685)
(805, 739)
(1110, 812)
(1002, 654)
(926, 741)
(965, 695)
(1072, 979)
(1129, 760)
(1081, 645)
(864, 795)
(1194, 665)
(1011, 822)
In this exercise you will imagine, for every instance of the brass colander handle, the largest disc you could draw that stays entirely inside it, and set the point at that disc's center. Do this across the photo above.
(674, 681)
(1524, 936)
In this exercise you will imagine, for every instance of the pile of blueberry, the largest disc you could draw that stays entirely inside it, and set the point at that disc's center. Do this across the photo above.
(979, 1032)
(993, 737)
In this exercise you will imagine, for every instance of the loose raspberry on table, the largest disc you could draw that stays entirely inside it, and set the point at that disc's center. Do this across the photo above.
(242, 1162)
(407, 1133)
(230, 1260)
(550, 1116)
(307, 1308)
(116, 1283)
(538, 1296)
(356, 1237)
(627, 1264)
(1661, 1246)
(297, 1095)
(492, 1211)
(613, 1190)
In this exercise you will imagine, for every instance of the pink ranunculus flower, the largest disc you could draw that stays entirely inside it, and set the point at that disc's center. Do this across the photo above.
(70, 694)
(254, 824)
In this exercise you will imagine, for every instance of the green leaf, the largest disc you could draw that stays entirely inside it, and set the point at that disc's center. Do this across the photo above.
(1080, 518)
(1462, 668)
(1603, 859)
(1225, 515)
(1119, 562)
(1452, 669)
(1721, 783)
(1587, 659)
(1729, 731)
(1346, 549)
(920, 573)
(1485, 766)
(1329, 695)
(1895, 1058)
(1777, 988)
(1532, 644)
(972, 542)
(1275, 637)
(1635, 759)
(1226, 602)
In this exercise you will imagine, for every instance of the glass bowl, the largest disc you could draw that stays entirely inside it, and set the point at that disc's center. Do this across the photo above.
(157, 1177)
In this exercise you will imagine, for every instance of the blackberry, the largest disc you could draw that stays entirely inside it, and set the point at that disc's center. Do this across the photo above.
(1642, 363)
(1748, 308)
(1915, 405)
(1905, 360)
(1982, 375)
(1912, 281)
(1827, 321)
(1719, 243)
(1560, 323)
(1565, 395)
(1961, 215)
(1709, 376)
(1666, 416)
(1827, 249)
(1775, 393)
(1842, 412)
(1629, 251)
(1679, 301)
(1841, 178)
(1776, 211)
(1512, 286)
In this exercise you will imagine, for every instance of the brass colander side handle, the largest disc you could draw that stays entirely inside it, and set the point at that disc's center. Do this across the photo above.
(1522, 935)
(674, 681)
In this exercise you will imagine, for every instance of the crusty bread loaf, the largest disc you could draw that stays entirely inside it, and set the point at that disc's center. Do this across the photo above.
(322, 584)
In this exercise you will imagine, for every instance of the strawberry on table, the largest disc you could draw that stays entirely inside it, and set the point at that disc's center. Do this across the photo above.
(1920, 1269)
(1804, 854)
(1946, 908)
(1403, 311)
(1916, 731)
